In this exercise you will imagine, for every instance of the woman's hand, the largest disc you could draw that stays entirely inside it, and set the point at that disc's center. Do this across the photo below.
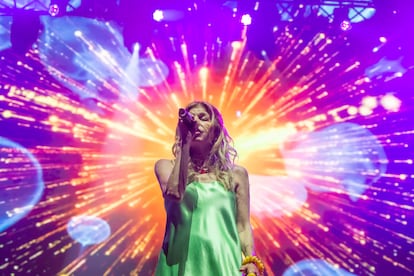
(185, 133)
(249, 268)
(172, 193)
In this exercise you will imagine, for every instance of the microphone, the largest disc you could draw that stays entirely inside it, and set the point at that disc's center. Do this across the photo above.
(186, 117)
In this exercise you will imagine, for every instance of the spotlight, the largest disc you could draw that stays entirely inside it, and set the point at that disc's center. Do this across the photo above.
(167, 15)
(246, 19)
(136, 47)
(341, 18)
(158, 15)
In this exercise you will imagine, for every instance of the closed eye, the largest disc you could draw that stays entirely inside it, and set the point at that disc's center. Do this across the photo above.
(203, 117)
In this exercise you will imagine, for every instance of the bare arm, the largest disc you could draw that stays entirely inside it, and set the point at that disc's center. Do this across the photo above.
(243, 210)
(243, 218)
(173, 177)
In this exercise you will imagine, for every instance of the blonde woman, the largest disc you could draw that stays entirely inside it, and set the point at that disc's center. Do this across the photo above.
(206, 198)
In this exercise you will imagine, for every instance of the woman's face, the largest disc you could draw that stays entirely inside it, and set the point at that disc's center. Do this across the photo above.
(203, 128)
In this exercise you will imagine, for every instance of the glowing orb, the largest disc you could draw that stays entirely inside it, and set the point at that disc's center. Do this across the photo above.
(315, 267)
(391, 103)
(246, 19)
(168, 15)
(21, 182)
(158, 15)
(88, 230)
(276, 195)
(343, 156)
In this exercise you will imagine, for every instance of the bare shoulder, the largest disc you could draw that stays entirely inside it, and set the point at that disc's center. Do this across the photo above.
(241, 177)
(163, 169)
(162, 165)
(240, 171)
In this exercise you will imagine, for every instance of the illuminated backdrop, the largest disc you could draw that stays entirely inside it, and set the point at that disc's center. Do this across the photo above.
(321, 118)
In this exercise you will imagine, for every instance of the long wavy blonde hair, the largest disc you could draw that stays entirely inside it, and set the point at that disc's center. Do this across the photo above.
(222, 154)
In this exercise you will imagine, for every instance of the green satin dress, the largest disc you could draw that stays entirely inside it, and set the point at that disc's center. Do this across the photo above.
(201, 235)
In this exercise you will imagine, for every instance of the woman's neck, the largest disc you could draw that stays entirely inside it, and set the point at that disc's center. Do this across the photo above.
(199, 155)
(199, 161)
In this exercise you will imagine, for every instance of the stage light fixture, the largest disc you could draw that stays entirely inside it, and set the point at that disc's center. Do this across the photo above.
(345, 25)
(58, 7)
(341, 18)
(54, 10)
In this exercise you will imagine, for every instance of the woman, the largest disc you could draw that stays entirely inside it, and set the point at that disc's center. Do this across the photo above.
(206, 199)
